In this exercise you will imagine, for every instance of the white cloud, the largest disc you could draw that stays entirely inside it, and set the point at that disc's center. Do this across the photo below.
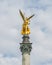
(45, 2)
(41, 32)
(9, 26)
(9, 61)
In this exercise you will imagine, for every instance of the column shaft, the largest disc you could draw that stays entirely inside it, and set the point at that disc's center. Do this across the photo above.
(25, 59)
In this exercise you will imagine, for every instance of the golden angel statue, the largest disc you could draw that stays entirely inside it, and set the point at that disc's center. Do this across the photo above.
(25, 27)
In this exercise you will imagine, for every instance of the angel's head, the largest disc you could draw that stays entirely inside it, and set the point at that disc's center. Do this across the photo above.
(27, 20)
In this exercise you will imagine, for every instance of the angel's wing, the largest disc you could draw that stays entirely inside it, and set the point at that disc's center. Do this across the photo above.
(22, 15)
(30, 17)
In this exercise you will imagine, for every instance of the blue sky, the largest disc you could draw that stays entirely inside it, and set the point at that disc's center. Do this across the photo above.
(41, 31)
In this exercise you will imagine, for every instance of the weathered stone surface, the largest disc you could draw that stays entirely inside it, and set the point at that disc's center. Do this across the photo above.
(25, 48)
(25, 39)
(25, 59)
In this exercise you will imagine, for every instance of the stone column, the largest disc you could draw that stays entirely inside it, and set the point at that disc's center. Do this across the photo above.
(25, 48)
(25, 59)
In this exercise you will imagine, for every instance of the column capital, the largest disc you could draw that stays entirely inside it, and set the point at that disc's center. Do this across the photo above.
(25, 47)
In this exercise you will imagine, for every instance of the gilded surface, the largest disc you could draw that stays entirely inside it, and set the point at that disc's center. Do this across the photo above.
(25, 26)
